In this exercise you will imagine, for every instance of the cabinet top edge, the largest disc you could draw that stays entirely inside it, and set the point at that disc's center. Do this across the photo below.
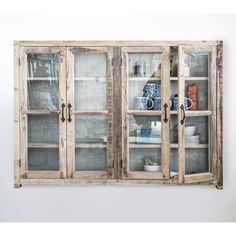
(56, 43)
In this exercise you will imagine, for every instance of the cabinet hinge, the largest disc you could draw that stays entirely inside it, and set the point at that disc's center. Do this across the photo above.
(112, 61)
(19, 162)
(113, 164)
(19, 61)
(121, 163)
(121, 61)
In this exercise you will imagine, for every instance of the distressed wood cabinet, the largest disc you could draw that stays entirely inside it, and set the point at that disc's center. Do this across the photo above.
(96, 111)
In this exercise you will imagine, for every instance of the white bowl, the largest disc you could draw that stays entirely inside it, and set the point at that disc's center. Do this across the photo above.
(190, 130)
(152, 168)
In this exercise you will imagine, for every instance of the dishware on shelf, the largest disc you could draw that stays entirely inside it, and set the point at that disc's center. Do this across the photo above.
(186, 70)
(194, 139)
(186, 103)
(156, 128)
(152, 168)
(152, 89)
(192, 92)
(157, 103)
(190, 130)
(138, 69)
(147, 136)
(150, 165)
(174, 173)
(142, 103)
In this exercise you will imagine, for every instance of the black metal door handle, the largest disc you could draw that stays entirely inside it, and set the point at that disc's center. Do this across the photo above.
(69, 112)
(165, 106)
(182, 108)
(62, 112)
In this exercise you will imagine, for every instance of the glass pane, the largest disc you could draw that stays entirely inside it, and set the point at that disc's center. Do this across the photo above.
(43, 129)
(144, 143)
(90, 65)
(90, 159)
(196, 88)
(90, 129)
(174, 129)
(196, 144)
(174, 162)
(90, 95)
(90, 81)
(196, 160)
(43, 159)
(42, 84)
(144, 81)
(138, 157)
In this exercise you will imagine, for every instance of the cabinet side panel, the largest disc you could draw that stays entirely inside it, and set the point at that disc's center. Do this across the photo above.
(220, 114)
(16, 117)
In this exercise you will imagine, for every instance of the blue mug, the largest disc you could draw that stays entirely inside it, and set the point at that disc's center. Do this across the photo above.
(186, 106)
(142, 103)
(157, 103)
(152, 90)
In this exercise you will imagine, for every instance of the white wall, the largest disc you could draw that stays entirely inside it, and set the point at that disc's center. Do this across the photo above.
(116, 203)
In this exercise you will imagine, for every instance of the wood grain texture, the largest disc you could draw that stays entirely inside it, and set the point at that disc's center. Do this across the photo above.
(181, 128)
(201, 177)
(16, 116)
(114, 43)
(62, 125)
(23, 109)
(128, 182)
(212, 105)
(165, 125)
(125, 118)
(117, 111)
(110, 125)
(70, 125)
(219, 115)
(144, 49)
(145, 175)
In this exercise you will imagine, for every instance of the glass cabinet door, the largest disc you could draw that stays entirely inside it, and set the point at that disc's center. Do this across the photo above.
(146, 105)
(196, 106)
(42, 129)
(90, 151)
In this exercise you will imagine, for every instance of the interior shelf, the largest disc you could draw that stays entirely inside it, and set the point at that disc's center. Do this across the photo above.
(102, 79)
(42, 78)
(43, 145)
(171, 78)
(144, 112)
(90, 145)
(172, 145)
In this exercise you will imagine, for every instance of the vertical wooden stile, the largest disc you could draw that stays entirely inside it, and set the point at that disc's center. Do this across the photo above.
(117, 111)
(181, 140)
(165, 93)
(70, 125)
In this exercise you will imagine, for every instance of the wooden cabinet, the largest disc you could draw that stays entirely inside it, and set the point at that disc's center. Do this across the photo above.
(118, 112)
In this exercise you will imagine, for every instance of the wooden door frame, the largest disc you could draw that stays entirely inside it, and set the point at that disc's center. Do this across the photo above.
(22, 112)
(109, 173)
(214, 130)
(165, 93)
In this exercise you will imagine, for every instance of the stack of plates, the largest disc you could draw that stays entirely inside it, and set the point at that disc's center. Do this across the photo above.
(194, 139)
(148, 136)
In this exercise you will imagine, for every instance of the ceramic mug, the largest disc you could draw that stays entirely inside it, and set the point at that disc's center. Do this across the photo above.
(142, 103)
(157, 103)
(186, 100)
(152, 90)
